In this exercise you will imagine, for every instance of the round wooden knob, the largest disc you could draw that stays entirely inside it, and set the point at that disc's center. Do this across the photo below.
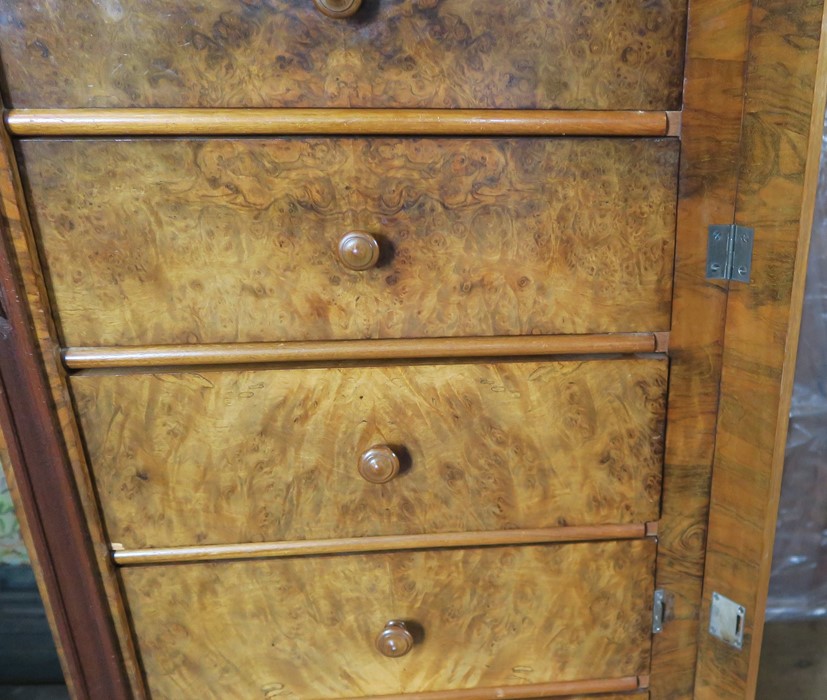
(379, 464)
(358, 251)
(338, 8)
(395, 640)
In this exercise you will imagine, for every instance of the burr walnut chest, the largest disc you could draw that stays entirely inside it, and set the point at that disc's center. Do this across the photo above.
(370, 348)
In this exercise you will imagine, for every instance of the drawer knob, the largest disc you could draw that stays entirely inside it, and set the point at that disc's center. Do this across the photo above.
(358, 251)
(379, 464)
(338, 8)
(395, 640)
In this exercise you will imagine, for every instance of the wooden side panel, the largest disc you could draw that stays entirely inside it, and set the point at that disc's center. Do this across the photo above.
(46, 468)
(232, 457)
(714, 98)
(783, 127)
(236, 240)
(484, 618)
(616, 54)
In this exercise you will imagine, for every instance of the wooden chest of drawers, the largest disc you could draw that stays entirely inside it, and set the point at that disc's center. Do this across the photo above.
(369, 348)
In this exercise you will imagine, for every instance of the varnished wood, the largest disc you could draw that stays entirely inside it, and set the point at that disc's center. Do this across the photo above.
(265, 353)
(401, 122)
(270, 550)
(358, 251)
(68, 570)
(235, 240)
(395, 640)
(267, 455)
(538, 690)
(338, 9)
(711, 130)
(378, 464)
(490, 617)
(783, 127)
(619, 54)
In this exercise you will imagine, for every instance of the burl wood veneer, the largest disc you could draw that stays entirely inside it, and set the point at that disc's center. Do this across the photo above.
(232, 457)
(165, 241)
(307, 626)
(614, 54)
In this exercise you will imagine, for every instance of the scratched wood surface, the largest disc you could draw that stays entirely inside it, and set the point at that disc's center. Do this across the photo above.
(714, 93)
(485, 617)
(235, 240)
(231, 457)
(783, 126)
(613, 54)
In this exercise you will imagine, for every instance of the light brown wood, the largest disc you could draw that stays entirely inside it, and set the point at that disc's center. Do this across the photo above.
(266, 122)
(263, 353)
(338, 9)
(199, 241)
(711, 130)
(619, 54)
(252, 456)
(783, 127)
(539, 691)
(270, 550)
(489, 618)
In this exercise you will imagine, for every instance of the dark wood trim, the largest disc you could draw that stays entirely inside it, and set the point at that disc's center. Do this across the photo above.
(47, 492)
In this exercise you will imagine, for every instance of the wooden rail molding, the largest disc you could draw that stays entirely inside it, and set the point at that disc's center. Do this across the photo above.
(323, 351)
(353, 545)
(237, 122)
(525, 692)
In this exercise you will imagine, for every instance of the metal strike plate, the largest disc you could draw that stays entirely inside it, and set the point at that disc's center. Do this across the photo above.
(726, 620)
(658, 611)
(729, 253)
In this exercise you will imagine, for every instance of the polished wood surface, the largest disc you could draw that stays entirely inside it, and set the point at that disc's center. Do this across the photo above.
(230, 457)
(714, 100)
(48, 470)
(271, 550)
(618, 54)
(358, 251)
(234, 122)
(379, 464)
(538, 690)
(783, 127)
(486, 618)
(344, 350)
(197, 241)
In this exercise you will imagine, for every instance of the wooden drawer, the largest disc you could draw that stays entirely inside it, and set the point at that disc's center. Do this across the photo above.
(619, 54)
(181, 241)
(229, 457)
(481, 618)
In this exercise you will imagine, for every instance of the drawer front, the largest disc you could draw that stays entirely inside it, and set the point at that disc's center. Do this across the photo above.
(480, 617)
(237, 240)
(613, 54)
(231, 457)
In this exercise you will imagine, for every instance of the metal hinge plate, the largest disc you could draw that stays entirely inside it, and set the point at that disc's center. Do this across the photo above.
(726, 620)
(729, 253)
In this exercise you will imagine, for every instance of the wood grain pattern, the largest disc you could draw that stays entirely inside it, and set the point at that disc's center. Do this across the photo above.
(235, 240)
(711, 132)
(53, 490)
(273, 550)
(359, 122)
(255, 456)
(613, 54)
(306, 626)
(556, 689)
(783, 126)
(345, 350)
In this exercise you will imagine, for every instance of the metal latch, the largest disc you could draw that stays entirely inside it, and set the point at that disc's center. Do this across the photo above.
(658, 611)
(726, 620)
(729, 253)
